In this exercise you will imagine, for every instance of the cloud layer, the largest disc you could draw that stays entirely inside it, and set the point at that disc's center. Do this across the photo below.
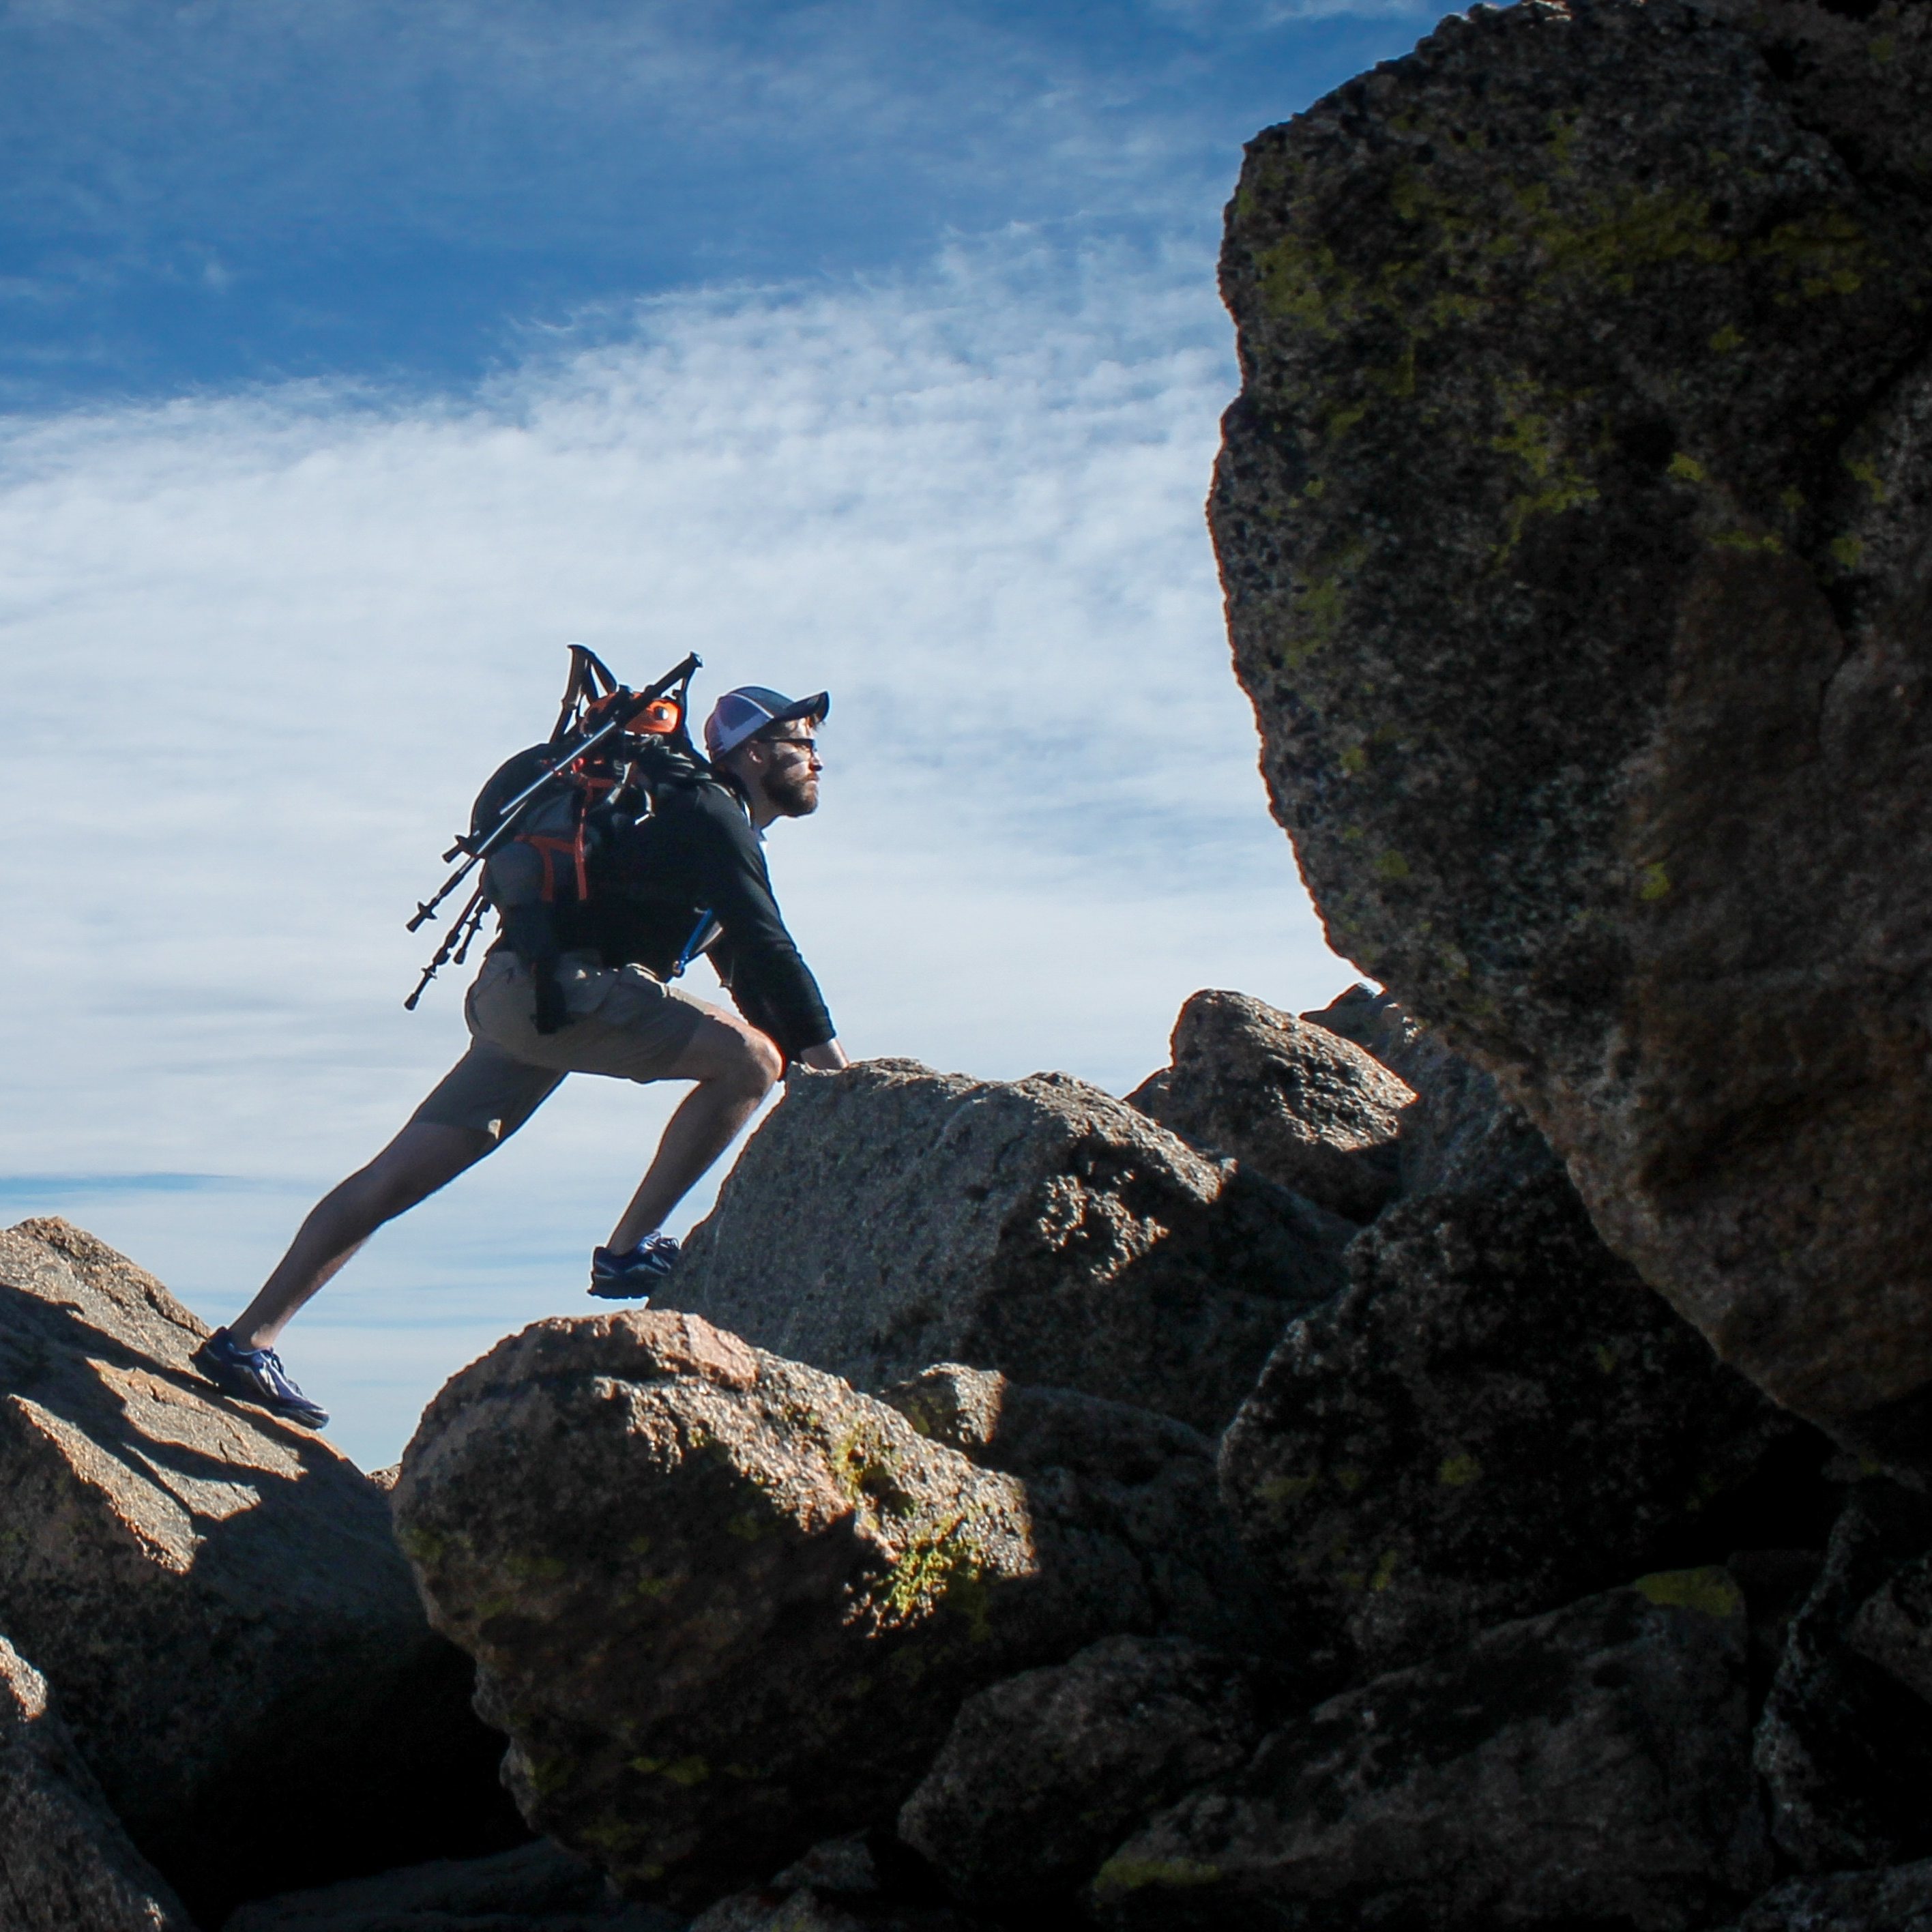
(260, 649)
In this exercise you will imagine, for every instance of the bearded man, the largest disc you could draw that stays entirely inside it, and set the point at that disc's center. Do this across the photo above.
(688, 879)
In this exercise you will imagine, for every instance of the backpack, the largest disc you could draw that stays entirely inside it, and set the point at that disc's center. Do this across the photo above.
(547, 817)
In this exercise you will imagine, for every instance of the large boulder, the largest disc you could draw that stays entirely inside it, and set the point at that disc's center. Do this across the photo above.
(1291, 1101)
(1572, 520)
(1497, 1417)
(217, 1598)
(887, 1217)
(1043, 1775)
(66, 1863)
(724, 1605)
(1589, 1767)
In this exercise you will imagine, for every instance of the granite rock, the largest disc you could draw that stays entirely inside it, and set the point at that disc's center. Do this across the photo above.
(534, 1888)
(1588, 1767)
(1497, 1417)
(218, 1599)
(66, 1863)
(1293, 1102)
(887, 1217)
(1573, 520)
(1897, 1899)
(724, 1605)
(1844, 1747)
(1043, 1775)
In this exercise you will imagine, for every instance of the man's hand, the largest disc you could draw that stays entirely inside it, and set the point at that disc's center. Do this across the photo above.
(826, 1059)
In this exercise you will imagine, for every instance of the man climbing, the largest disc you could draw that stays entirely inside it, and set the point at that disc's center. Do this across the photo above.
(689, 878)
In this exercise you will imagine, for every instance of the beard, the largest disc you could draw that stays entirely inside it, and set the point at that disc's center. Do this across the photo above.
(795, 796)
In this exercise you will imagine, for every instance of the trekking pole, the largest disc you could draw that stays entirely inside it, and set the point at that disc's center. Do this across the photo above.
(622, 714)
(480, 849)
(456, 947)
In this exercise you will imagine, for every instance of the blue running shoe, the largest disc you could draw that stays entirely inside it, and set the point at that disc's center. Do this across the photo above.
(631, 1276)
(256, 1375)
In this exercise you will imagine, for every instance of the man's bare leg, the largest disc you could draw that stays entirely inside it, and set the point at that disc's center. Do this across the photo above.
(420, 1158)
(735, 1067)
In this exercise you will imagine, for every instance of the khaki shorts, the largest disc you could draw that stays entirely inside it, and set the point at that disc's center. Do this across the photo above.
(624, 1023)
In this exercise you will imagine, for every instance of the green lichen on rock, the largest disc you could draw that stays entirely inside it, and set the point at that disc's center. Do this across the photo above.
(680, 1554)
(1627, 310)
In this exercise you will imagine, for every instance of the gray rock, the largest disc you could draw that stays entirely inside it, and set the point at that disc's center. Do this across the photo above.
(1590, 1767)
(534, 1888)
(1496, 1417)
(1043, 1775)
(1844, 1750)
(1459, 1132)
(1893, 1626)
(1293, 1102)
(1123, 1476)
(836, 1887)
(66, 1863)
(217, 1597)
(888, 1216)
(1898, 1900)
(726, 1607)
(1573, 521)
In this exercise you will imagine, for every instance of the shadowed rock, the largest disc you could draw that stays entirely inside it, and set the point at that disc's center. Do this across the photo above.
(66, 1863)
(536, 1888)
(1898, 1900)
(1497, 1416)
(1459, 1134)
(1590, 1767)
(1043, 1775)
(724, 1605)
(1844, 1747)
(1122, 1475)
(1292, 1102)
(217, 1598)
(888, 1216)
(1573, 520)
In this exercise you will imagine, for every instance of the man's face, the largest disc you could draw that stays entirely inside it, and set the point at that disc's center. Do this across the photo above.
(791, 768)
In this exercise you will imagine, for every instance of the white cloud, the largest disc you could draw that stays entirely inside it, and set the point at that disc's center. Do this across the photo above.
(258, 651)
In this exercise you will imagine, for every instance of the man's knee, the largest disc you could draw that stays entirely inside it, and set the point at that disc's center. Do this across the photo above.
(757, 1065)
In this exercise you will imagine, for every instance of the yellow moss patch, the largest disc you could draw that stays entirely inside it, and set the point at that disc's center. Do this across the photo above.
(1712, 1590)
(1121, 1874)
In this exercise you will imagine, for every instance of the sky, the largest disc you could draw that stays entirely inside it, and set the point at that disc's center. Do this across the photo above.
(356, 356)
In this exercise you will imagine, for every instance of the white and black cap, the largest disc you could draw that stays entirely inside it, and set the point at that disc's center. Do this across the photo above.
(744, 712)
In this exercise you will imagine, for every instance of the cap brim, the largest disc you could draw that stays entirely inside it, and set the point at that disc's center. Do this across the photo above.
(814, 708)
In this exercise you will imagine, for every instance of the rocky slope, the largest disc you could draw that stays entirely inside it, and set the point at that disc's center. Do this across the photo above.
(217, 1598)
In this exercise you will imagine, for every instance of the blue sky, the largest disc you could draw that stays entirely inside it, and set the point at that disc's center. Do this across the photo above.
(355, 356)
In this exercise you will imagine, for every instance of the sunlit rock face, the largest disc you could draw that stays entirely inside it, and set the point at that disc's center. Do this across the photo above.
(217, 1597)
(726, 1605)
(1572, 519)
(887, 1217)
(1290, 1100)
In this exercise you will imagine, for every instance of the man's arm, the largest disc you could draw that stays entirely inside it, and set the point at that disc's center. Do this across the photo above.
(826, 1059)
(771, 985)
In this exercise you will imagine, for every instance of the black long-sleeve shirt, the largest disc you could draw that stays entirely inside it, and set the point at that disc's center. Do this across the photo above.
(693, 873)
